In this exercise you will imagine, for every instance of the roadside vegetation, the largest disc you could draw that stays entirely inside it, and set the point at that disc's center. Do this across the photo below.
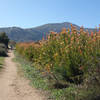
(3, 44)
(68, 63)
(1, 62)
(3, 47)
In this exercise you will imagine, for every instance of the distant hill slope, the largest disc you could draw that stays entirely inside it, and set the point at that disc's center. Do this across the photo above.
(33, 34)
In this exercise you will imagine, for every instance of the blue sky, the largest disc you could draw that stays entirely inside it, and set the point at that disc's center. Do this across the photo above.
(32, 13)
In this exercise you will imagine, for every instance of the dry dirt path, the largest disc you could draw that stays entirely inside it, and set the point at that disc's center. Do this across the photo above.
(14, 87)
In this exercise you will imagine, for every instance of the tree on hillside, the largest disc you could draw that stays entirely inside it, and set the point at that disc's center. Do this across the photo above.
(4, 39)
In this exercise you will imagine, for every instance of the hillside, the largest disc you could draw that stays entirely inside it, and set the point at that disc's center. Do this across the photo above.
(33, 34)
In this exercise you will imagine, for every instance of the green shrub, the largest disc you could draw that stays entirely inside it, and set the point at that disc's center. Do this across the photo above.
(4, 38)
(3, 50)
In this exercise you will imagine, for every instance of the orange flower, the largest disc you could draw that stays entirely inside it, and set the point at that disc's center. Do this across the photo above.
(64, 31)
(91, 34)
(72, 38)
(43, 38)
(48, 36)
(81, 29)
(80, 51)
(81, 68)
(52, 32)
(48, 68)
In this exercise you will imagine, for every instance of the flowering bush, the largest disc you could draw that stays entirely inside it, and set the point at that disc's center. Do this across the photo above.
(68, 55)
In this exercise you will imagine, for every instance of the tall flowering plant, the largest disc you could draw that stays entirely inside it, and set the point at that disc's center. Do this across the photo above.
(67, 55)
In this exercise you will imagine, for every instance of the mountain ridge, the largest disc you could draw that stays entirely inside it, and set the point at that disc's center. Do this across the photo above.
(19, 34)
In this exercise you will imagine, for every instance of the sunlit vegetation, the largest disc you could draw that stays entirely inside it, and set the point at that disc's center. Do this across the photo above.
(1, 62)
(70, 60)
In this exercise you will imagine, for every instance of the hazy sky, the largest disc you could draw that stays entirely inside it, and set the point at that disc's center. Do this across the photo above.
(31, 13)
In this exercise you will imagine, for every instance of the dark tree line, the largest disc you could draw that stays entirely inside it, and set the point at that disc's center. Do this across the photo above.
(4, 39)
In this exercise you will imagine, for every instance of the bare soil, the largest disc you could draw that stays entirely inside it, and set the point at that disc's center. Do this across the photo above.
(14, 87)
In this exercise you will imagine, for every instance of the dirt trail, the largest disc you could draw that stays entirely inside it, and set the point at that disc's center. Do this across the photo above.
(14, 87)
